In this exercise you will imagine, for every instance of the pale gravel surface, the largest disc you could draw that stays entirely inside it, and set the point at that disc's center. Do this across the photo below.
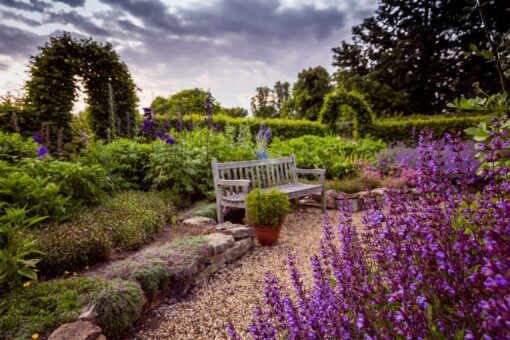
(234, 291)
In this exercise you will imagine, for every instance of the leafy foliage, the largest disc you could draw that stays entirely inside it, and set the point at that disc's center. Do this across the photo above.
(16, 248)
(308, 94)
(52, 88)
(43, 306)
(268, 208)
(184, 102)
(416, 49)
(338, 156)
(235, 112)
(14, 148)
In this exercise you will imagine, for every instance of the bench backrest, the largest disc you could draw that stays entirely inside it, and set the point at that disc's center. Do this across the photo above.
(262, 173)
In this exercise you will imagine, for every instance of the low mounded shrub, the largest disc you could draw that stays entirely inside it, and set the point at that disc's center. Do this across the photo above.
(118, 305)
(43, 306)
(124, 221)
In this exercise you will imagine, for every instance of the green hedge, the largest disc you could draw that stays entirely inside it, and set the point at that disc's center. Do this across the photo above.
(407, 130)
(281, 128)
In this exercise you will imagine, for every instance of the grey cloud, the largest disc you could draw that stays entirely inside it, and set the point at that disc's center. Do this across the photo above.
(78, 21)
(18, 17)
(32, 5)
(17, 42)
(73, 3)
(3, 66)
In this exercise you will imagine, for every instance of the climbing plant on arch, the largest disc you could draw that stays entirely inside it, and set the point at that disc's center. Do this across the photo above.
(52, 88)
(337, 103)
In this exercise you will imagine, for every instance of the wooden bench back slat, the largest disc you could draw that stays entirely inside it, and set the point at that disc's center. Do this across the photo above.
(262, 173)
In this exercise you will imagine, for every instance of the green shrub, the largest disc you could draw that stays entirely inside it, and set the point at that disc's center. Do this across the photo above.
(41, 196)
(407, 130)
(204, 209)
(16, 248)
(131, 218)
(118, 305)
(125, 221)
(80, 183)
(14, 148)
(336, 155)
(283, 128)
(349, 185)
(43, 306)
(126, 160)
(72, 245)
(268, 208)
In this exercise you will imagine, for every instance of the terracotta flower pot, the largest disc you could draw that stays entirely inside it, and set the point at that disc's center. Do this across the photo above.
(267, 235)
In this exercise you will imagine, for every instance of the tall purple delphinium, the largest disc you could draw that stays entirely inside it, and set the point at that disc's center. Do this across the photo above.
(262, 140)
(42, 149)
(150, 129)
(209, 110)
(437, 267)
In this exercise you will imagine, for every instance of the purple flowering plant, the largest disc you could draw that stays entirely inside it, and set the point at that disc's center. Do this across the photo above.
(262, 139)
(435, 267)
(151, 130)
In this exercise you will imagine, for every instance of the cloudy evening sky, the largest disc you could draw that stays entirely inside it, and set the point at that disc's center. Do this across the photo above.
(227, 46)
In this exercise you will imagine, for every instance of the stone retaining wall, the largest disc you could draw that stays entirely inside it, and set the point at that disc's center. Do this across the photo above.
(227, 242)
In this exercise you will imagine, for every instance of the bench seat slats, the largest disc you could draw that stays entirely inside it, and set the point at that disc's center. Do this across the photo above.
(291, 190)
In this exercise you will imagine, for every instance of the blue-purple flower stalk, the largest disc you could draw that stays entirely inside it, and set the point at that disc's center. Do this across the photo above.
(435, 267)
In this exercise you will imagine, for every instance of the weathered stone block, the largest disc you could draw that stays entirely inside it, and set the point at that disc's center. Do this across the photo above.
(78, 330)
(219, 242)
(240, 248)
(237, 231)
(199, 221)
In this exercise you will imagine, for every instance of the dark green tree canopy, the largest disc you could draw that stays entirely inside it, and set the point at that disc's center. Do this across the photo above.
(186, 101)
(52, 88)
(416, 48)
(262, 104)
(308, 93)
(236, 112)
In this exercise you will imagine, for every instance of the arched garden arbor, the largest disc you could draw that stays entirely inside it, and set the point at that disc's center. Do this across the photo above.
(337, 104)
(52, 88)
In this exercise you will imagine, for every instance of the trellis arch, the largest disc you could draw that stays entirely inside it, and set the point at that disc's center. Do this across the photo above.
(333, 108)
(111, 92)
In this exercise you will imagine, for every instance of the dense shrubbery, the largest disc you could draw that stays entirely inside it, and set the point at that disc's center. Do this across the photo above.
(437, 267)
(338, 156)
(125, 221)
(14, 148)
(43, 306)
(283, 128)
(407, 130)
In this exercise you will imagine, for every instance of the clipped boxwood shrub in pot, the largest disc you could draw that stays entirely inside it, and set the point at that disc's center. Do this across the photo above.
(266, 211)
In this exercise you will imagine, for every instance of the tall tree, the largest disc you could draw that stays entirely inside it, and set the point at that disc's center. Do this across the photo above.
(262, 104)
(186, 101)
(309, 91)
(281, 95)
(417, 47)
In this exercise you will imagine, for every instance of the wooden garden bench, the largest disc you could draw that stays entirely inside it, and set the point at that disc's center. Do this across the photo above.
(234, 180)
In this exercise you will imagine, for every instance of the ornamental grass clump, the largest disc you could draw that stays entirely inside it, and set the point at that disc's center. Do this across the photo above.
(438, 267)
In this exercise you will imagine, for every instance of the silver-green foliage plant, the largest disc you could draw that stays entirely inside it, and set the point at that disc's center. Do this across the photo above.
(268, 208)
(17, 249)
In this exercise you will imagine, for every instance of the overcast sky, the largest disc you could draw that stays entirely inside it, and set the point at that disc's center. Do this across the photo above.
(227, 46)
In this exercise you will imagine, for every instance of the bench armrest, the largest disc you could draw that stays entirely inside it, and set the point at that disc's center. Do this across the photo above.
(234, 182)
(320, 172)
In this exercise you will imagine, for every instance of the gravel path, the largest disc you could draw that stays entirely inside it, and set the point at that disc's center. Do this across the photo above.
(234, 291)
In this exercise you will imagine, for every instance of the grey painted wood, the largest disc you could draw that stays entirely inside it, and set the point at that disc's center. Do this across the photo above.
(234, 180)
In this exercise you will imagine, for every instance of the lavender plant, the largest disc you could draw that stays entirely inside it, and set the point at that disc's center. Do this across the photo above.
(438, 267)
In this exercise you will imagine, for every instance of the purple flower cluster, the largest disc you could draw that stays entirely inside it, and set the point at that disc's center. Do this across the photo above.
(42, 150)
(436, 267)
(149, 128)
(263, 138)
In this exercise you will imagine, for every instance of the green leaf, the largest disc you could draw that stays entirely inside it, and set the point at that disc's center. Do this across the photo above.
(27, 272)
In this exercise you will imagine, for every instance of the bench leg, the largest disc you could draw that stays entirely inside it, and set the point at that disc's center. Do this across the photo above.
(296, 202)
(219, 212)
(323, 201)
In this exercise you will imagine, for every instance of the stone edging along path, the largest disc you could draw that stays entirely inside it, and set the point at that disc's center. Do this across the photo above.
(225, 243)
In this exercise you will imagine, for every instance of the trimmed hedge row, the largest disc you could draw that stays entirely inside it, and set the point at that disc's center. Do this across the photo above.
(283, 128)
(393, 130)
